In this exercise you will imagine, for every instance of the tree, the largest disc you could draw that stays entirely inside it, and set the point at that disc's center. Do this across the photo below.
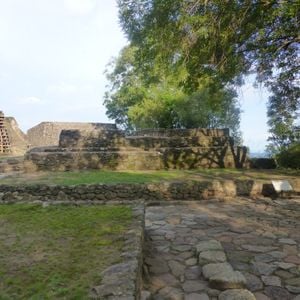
(157, 100)
(223, 41)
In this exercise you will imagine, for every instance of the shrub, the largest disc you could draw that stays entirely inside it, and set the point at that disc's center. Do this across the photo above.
(290, 158)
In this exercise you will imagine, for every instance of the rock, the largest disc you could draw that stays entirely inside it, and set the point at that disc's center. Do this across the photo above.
(191, 261)
(293, 289)
(284, 274)
(277, 293)
(212, 292)
(290, 250)
(285, 266)
(164, 280)
(263, 268)
(181, 248)
(269, 235)
(213, 269)
(208, 245)
(195, 296)
(293, 259)
(222, 276)
(191, 286)
(206, 257)
(293, 281)
(271, 280)
(253, 282)
(192, 272)
(177, 268)
(266, 258)
(259, 249)
(261, 296)
(297, 298)
(157, 266)
(171, 293)
(287, 241)
(231, 280)
(236, 294)
(278, 254)
(145, 295)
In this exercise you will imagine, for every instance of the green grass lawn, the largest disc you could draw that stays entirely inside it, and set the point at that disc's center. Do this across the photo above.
(113, 177)
(57, 252)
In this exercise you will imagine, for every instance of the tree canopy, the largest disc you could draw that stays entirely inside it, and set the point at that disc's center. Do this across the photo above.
(198, 49)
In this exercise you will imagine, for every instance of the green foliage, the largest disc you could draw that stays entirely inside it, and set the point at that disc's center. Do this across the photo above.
(222, 41)
(58, 252)
(290, 157)
(158, 101)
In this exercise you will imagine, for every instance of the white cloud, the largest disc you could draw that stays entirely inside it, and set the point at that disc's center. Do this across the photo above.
(79, 7)
(30, 100)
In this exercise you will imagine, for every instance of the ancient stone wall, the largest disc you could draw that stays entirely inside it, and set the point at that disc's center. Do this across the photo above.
(18, 140)
(124, 193)
(47, 133)
(164, 149)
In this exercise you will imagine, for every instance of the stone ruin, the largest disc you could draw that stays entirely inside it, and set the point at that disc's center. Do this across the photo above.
(47, 133)
(4, 138)
(110, 148)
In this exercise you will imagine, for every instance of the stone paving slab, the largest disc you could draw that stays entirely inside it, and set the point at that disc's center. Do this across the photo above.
(260, 238)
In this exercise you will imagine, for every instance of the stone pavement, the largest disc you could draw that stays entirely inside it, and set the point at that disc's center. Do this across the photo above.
(256, 241)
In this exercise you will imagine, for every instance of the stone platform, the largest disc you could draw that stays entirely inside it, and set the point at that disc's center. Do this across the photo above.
(258, 239)
(141, 150)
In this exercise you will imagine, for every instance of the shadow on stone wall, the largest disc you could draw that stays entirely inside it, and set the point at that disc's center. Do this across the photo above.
(164, 149)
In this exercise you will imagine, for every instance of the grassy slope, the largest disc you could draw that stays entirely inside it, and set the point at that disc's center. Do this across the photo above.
(48, 253)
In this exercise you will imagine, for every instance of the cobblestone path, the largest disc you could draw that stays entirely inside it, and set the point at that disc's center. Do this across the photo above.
(260, 238)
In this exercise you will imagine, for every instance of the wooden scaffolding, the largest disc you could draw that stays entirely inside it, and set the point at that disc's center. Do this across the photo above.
(4, 138)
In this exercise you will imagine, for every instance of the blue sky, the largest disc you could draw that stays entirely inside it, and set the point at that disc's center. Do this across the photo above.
(52, 57)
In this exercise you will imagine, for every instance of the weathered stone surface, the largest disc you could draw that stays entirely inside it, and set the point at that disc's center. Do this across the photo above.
(206, 257)
(261, 296)
(171, 293)
(157, 266)
(293, 281)
(212, 269)
(287, 241)
(222, 276)
(190, 286)
(145, 295)
(253, 283)
(212, 220)
(195, 296)
(263, 268)
(271, 280)
(191, 262)
(293, 259)
(177, 268)
(208, 245)
(277, 293)
(293, 289)
(259, 249)
(236, 294)
(192, 272)
(163, 280)
(285, 266)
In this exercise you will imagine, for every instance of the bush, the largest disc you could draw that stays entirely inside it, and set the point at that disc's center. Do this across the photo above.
(290, 158)
(262, 163)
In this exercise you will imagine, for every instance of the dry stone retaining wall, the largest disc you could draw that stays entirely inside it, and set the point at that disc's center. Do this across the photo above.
(124, 193)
